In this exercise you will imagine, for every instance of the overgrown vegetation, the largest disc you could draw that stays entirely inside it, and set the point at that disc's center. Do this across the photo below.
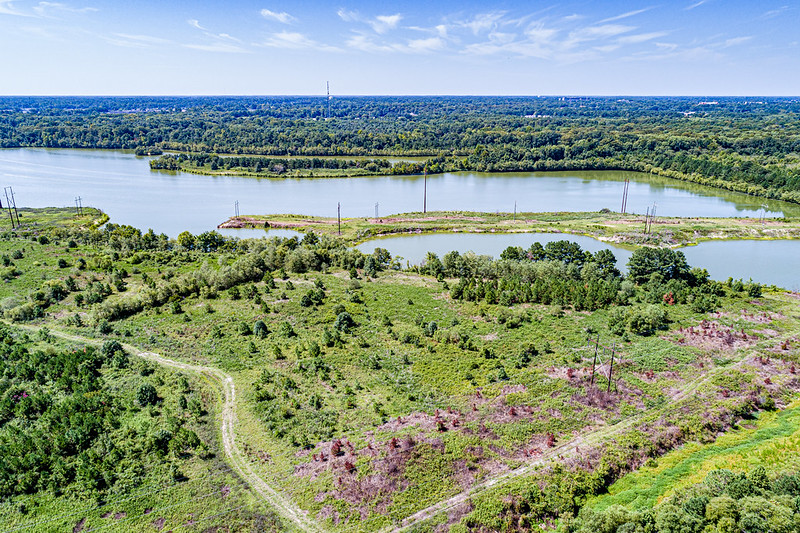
(368, 393)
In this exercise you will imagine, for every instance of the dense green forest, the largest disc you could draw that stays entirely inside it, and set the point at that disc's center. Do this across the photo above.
(748, 145)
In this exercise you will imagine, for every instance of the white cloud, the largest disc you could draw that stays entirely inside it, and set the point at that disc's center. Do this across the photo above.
(426, 45)
(624, 15)
(379, 24)
(7, 8)
(384, 23)
(538, 33)
(736, 41)
(641, 37)
(218, 42)
(774, 12)
(145, 39)
(366, 43)
(598, 32)
(45, 9)
(282, 17)
(295, 41)
(347, 16)
(484, 22)
(217, 47)
(595, 33)
(696, 4)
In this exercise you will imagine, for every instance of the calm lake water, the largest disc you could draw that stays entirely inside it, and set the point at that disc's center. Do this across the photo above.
(768, 262)
(124, 187)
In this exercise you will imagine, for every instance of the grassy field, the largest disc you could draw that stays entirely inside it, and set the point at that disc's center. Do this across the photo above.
(771, 440)
(367, 398)
(609, 227)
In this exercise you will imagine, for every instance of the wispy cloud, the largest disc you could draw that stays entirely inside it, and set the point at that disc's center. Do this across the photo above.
(774, 12)
(484, 22)
(625, 15)
(696, 4)
(295, 41)
(379, 24)
(595, 33)
(217, 42)
(217, 47)
(736, 41)
(47, 9)
(562, 40)
(145, 39)
(641, 37)
(282, 17)
(384, 23)
(7, 8)
(368, 43)
(426, 45)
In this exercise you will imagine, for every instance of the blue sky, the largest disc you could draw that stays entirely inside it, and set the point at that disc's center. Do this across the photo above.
(686, 47)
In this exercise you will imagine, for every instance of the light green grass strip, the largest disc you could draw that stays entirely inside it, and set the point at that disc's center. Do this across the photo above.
(774, 443)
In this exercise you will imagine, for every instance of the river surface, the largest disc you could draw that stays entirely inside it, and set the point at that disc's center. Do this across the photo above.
(767, 262)
(123, 186)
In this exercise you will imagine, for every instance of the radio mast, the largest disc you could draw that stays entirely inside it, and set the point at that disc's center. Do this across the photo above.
(328, 86)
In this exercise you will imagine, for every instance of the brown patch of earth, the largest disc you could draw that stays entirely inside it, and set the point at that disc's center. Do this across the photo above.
(712, 336)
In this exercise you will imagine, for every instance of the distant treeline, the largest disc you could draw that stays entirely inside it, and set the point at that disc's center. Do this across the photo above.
(266, 165)
(751, 146)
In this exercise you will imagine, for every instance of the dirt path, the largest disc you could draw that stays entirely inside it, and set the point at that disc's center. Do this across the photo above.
(298, 517)
(285, 508)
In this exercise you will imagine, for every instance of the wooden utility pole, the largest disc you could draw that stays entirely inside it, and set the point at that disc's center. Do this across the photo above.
(339, 216)
(625, 196)
(12, 207)
(14, 202)
(653, 216)
(611, 368)
(600, 358)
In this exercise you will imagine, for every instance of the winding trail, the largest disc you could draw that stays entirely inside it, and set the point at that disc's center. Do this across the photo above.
(299, 518)
(285, 508)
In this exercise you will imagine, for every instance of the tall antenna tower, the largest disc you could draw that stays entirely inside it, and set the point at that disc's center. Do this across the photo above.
(328, 86)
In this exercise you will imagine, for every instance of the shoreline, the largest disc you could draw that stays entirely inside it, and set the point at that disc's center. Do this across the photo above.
(616, 228)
